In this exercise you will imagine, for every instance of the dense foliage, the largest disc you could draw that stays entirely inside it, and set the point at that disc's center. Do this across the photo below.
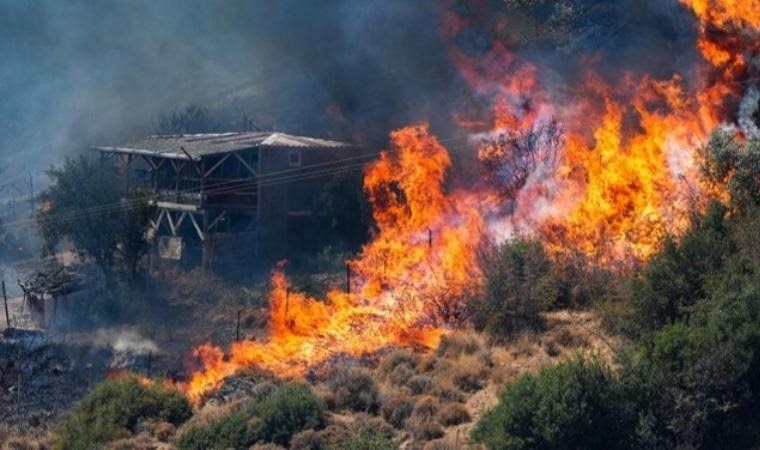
(114, 408)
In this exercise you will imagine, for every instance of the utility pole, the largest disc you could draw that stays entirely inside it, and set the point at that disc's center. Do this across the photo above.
(237, 328)
(5, 301)
(31, 192)
(430, 238)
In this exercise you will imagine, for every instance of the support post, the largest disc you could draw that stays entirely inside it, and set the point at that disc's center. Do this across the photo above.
(430, 238)
(5, 301)
(237, 327)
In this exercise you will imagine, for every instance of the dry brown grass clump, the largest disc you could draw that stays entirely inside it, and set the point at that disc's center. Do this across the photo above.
(420, 384)
(12, 442)
(397, 409)
(457, 344)
(442, 444)
(453, 414)
(352, 389)
(164, 431)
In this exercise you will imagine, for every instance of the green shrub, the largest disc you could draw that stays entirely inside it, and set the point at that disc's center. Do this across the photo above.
(115, 407)
(573, 405)
(519, 285)
(673, 282)
(275, 418)
(234, 430)
(696, 384)
(286, 411)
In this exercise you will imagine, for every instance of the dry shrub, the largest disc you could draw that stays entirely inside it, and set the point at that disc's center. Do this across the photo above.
(425, 430)
(401, 374)
(442, 444)
(524, 346)
(470, 373)
(306, 440)
(453, 414)
(10, 442)
(354, 389)
(397, 409)
(446, 392)
(420, 384)
(139, 442)
(164, 431)
(457, 344)
(551, 347)
(396, 359)
(426, 407)
(266, 446)
(329, 437)
(568, 339)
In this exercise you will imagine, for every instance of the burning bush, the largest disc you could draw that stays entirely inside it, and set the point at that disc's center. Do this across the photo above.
(115, 407)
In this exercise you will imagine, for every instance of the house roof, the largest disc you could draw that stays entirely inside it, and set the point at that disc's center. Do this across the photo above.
(180, 146)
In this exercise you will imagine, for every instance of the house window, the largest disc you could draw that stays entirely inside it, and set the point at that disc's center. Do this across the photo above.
(294, 158)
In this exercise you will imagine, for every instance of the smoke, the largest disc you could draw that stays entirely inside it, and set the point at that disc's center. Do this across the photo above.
(79, 72)
(125, 341)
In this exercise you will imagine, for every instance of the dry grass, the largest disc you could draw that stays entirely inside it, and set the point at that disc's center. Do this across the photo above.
(352, 389)
(453, 414)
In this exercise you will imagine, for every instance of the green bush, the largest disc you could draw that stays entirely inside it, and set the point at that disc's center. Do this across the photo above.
(275, 418)
(286, 411)
(114, 408)
(574, 405)
(230, 431)
(519, 285)
(673, 282)
(696, 384)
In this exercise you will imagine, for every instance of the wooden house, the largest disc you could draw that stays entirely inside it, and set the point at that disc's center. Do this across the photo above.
(229, 197)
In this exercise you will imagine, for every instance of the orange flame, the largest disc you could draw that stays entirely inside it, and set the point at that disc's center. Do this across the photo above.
(424, 249)
(626, 174)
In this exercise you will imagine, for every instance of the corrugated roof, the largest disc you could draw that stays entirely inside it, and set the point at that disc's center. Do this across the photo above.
(199, 145)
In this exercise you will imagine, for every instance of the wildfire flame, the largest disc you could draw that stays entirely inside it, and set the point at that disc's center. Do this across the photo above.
(622, 173)
(425, 248)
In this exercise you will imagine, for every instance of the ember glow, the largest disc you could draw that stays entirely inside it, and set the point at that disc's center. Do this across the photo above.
(604, 167)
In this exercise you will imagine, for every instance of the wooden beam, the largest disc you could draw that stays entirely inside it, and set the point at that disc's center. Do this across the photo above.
(216, 166)
(195, 164)
(172, 206)
(180, 220)
(217, 219)
(197, 227)
(171, 223)
(245, 164)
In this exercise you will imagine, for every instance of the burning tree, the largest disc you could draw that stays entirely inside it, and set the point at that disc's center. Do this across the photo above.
(509, 159)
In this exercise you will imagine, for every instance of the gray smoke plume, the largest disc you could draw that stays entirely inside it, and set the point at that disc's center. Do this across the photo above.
(77, 72)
